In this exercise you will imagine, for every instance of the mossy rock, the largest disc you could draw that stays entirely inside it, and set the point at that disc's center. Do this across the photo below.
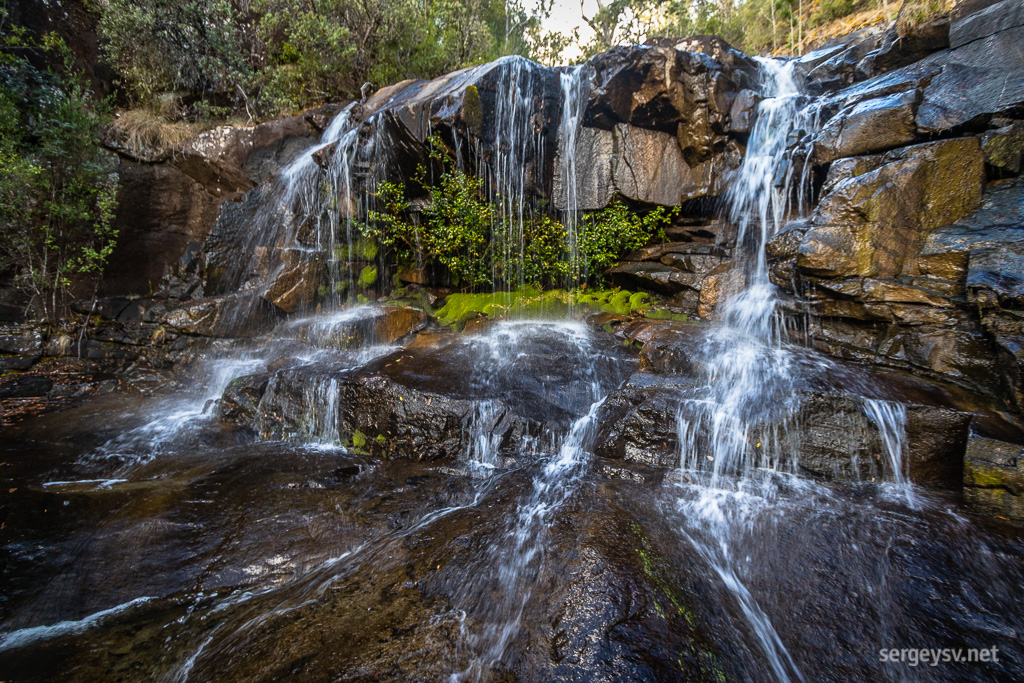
(367, 277)
(529, 302)
(665, 314)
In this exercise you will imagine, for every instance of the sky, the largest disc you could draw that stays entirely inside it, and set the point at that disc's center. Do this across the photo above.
(566, 15)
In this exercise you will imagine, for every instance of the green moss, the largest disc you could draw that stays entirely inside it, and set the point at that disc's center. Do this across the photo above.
(618, 301)
(472, 112)
(665, 314)
(658, 571)
(358, 440)
(363, 249)
(531, 302)
(323, 290)
(367, 276)
(525, 302)
(366, 249)
(985, 476)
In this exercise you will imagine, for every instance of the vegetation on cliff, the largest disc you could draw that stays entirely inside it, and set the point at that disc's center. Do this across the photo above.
(459, 228)
(271, 56)
(57, 186)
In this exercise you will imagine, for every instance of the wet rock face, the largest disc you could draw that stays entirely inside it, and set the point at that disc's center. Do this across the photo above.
(657, 123)
(830, 436)
(910, 290)
(875, 215)
(468, 101)
(868, 126)
(972, 83)
(166, 203)
(661, 88)
(994, 476)
(430, 400)
(643, 165)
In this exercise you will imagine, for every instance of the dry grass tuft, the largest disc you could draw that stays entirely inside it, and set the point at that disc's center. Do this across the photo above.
(913, 13)
(146, 134)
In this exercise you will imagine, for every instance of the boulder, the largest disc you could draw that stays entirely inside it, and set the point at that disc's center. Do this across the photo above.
(903, 46)
(296, 282)
(643, 165)
(835, 64)
(873, 223)
(721, 283)
(228, 315)
(743, 111)
(972, 84)
(658, 88)
(870, 126)
(376, 325)
(645, 275)
(1003, 149)
(638, 422)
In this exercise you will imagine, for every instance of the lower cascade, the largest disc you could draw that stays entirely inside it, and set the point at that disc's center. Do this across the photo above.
(627, 428)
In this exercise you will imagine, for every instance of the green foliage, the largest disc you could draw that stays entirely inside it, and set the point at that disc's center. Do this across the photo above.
(199, 46)
(545, 261)
(606, 235)
(751, 25)
(462, 231)
(58, 188)
(456, 226)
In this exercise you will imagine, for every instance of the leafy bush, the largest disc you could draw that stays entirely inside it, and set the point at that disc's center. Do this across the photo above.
(463, 232)
(265, 57)
(607, 235)
(200, 46)
(58, 188)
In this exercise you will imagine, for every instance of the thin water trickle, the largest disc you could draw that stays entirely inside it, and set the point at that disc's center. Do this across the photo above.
(516, 563)
(575, 88)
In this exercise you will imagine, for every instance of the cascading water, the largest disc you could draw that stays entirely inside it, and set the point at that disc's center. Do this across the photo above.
(731, 426)
(748, 371)
(513, 165)
(514, 564)
(294, 553)
(575, 87)
(737, 432)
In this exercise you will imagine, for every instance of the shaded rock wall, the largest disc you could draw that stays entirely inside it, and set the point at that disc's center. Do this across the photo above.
(168, 200)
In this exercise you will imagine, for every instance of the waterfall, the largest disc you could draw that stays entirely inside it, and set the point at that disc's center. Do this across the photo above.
(729, 427)
(575, 88)
(515, 161)
(749, 379)
(737, 432)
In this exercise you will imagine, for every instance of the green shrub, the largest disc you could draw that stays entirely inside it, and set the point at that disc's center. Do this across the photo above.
(609, 234)
(58, 187)
(464, 233)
